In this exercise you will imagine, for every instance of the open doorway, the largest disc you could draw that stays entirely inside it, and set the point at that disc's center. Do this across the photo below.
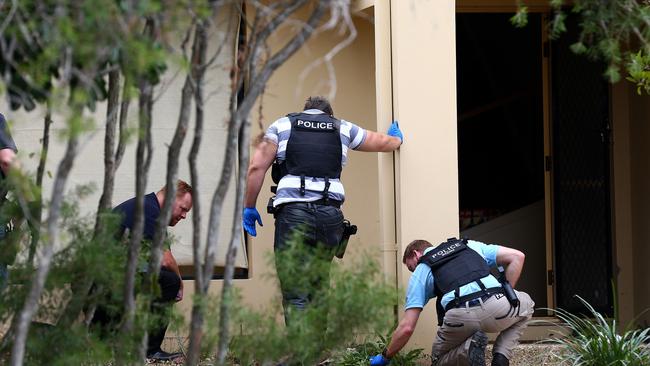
(501, 139)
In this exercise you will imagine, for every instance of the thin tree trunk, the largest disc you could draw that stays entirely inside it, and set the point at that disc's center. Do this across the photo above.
(144, 152)
(119, 153)
(198, 72)
(143, 159)
(170, 191)
(31, 304)
(82, 285)
(231, 256)
(124, 112)
(239, 116)
(38, 209)
(110, 165)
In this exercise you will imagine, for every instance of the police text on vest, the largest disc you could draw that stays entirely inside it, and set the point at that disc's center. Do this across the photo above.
(316, 125)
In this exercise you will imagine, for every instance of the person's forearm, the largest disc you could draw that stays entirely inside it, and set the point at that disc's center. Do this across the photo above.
(379, 142)
(400, 337)
(513, 271)
(392, 143)
(386, 143)
(254, 182)
(169, 262)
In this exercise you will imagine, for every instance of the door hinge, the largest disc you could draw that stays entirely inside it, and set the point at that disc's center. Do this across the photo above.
(548, 163)
(550, 277)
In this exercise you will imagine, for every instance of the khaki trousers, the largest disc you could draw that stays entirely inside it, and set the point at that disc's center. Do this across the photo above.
(494, 315)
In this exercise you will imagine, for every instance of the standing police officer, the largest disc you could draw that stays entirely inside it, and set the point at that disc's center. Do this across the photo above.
(309, 149)
(471, 301)
(7, 155)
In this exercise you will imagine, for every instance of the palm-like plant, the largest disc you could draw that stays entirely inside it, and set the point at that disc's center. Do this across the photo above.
(596, 341)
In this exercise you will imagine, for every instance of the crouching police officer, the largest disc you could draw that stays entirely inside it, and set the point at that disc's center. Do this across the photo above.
(309, 149)
(470, 301)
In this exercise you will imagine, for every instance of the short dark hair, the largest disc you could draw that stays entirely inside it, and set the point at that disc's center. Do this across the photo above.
(419, 245)
(320, 103)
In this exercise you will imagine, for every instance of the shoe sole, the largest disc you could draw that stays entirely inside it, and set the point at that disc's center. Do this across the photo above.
(477, 349)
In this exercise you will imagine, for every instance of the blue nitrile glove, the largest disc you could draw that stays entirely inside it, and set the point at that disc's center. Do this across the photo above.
(394, 131)
(248, 220)
(379, 360)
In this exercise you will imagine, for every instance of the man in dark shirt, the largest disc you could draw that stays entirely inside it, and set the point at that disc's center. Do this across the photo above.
(171, 284)
(7, 156)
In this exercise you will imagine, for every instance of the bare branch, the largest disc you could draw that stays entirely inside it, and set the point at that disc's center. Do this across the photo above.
(112, 110)
(9, 17)
(45, 145)
(141, 172)
(198, 74)
(239, 127)
(31, 304)
(124, 112)
(337, 13)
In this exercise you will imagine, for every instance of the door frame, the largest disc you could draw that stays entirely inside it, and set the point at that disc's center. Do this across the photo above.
(542, 8)
(548, 171)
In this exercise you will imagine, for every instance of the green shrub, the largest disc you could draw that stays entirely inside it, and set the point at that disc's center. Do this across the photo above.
(596, 341)
(356, 302)
(358, 355)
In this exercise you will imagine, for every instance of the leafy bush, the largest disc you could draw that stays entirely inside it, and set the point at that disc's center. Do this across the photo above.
(87, 270)
(356, 302)
(358, 355)
(597, 342)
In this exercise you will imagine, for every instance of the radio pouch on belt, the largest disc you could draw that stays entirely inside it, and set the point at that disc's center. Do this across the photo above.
(348, 230)
(269, 206)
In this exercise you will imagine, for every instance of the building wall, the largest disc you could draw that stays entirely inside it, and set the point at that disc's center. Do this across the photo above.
(27, 129)
(522, 229)
(424, 89)
(354, 71)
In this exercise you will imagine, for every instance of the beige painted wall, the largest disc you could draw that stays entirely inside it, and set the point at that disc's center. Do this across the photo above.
(424, 64)
(354, 101)
(89, 168)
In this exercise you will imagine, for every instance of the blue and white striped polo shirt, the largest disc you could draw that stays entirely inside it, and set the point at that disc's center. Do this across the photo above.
(352, 136)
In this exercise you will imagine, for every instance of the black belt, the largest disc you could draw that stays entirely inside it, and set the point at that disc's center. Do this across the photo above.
(473, 298)
(476, 302)
(321, 202)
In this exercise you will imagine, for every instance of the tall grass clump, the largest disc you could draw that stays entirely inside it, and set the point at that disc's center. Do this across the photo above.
(594, 340)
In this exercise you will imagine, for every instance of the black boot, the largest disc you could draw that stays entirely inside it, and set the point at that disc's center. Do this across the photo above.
(499, 360)
(477, 349)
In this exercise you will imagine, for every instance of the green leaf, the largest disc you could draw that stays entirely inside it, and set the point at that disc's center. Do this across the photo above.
(579, 48)
(520, 19)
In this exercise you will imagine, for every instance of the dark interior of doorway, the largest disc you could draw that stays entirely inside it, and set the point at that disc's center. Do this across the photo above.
(500, 138)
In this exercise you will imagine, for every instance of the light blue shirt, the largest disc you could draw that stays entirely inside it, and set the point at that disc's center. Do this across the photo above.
(420, 289)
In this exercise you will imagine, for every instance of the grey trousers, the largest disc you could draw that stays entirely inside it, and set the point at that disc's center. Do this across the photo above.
(451, 346)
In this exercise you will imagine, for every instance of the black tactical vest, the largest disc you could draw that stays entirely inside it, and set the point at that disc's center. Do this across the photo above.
(314, 148)
(453, 265)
